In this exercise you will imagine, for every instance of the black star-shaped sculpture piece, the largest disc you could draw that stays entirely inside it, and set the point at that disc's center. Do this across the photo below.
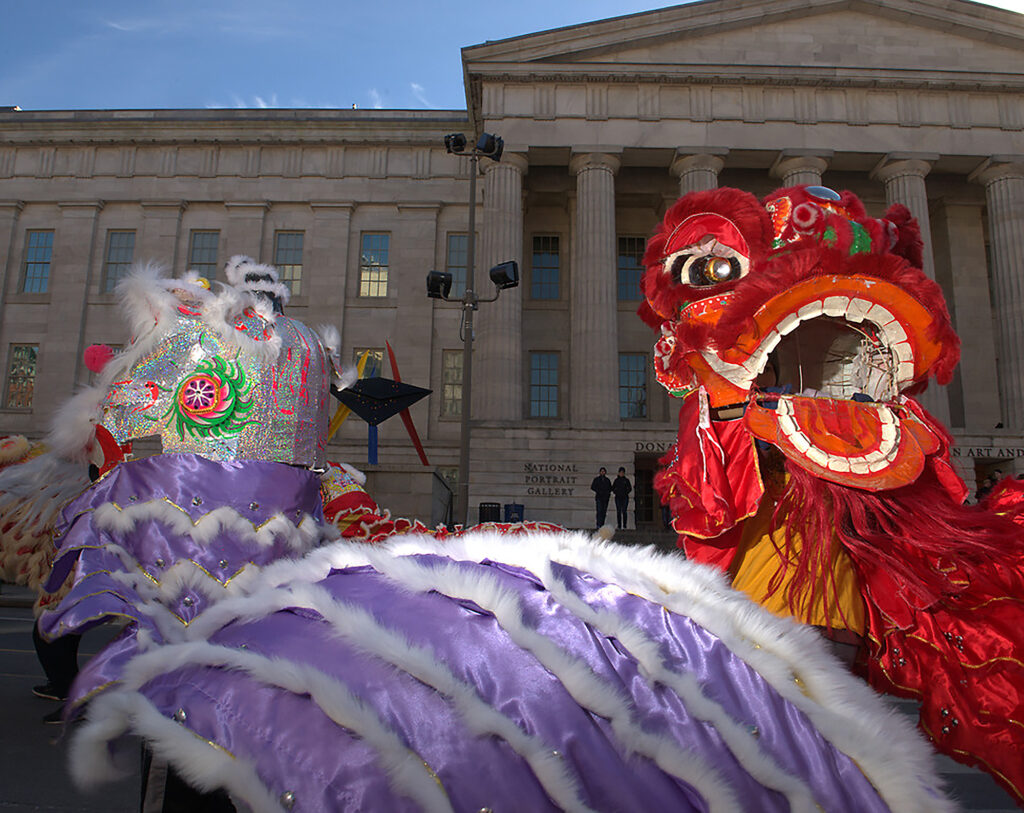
(377, 399)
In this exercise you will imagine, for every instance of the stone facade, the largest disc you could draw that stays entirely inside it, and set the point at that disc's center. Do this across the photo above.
(605, 124)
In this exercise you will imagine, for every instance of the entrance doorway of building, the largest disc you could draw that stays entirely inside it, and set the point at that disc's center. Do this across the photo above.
(646, 505)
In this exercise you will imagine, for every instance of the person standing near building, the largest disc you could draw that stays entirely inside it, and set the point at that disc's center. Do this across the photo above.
(602, 488)
(621, 488)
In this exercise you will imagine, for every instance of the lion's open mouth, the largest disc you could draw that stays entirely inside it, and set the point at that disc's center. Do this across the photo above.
(831, 357)
(824, 375)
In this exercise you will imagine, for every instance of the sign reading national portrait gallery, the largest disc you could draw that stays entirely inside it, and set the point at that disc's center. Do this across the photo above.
(550, 479)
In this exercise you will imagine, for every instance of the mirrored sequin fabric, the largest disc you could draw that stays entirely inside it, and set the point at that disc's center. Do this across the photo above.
(202, 389)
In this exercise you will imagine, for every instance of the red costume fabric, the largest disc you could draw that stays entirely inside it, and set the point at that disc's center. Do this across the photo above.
(795, 329)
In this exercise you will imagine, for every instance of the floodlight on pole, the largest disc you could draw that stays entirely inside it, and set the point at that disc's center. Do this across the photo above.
(505, 275)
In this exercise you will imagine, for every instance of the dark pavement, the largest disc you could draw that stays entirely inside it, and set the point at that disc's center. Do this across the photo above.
(33, 756)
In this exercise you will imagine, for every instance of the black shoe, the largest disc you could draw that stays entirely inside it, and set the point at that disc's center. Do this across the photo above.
(48, 691)
(55, 717)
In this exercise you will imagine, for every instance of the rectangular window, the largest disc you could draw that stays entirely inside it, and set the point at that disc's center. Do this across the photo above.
(455, 264)
(373, 265)
(202, 252)
(543, 385)
(632, 385)
(451, 384)
(35, 277)
(374, 361)
(288, 259)
(120, 251)
(630, 268)
(21, 376)
(544, 279)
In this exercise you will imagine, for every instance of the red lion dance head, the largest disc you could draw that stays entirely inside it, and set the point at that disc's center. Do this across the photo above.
(810, 320)
(796, 330)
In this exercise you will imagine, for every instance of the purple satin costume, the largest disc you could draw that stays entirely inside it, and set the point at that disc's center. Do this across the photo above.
(421, 675)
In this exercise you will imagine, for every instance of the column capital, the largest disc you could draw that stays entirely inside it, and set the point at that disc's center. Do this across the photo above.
(73, 207)
(695, 162)
(16, 205)
(902, 164)
(319, 206)
(998, 168)
(594, 160)
(245, 207)
(156, 208)
(795, 161)
(516, 160)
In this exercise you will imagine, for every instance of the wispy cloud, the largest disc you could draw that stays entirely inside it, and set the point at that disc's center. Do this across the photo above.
(375, 100)
(271, 102)
(420, 94)
(147, 25)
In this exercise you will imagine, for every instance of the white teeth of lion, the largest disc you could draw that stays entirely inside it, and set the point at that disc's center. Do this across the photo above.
(859, 467)
(789, 323)
(800, 442)
(770, 342)
(839, 464)
(903, 351)
(836, 305)
(905, 372)
(810, 311)
(857, 310)
(889, 432)
(817, 455)
(879, 315)
(755, 364)
(894, 333)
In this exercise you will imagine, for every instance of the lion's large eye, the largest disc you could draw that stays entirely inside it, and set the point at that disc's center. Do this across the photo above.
(701, 266)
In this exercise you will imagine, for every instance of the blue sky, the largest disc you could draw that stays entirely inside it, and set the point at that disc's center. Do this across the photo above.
(404, 54)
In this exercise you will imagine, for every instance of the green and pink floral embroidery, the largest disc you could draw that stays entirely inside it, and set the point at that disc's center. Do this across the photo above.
(212, 401)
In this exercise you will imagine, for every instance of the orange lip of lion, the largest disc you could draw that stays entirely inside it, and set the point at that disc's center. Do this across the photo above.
(815, 342)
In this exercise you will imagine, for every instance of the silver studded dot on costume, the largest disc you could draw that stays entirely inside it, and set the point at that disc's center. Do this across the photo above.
(288, 800)
(188, 601)
(180, 716)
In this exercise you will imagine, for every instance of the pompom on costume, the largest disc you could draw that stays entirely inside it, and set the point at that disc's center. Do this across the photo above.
(507, 667)
(796, 330)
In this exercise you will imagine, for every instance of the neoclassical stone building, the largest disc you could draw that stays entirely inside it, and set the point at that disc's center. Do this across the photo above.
(604, 124)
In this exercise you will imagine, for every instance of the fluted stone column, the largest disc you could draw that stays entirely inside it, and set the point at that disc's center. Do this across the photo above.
(904, 183)
(696, 172)
(903, 177)
(795, 168)
(1004, 192)
(498, 347)
(594, 351)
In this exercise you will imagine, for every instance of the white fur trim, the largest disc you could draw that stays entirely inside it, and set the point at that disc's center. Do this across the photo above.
(652, 667)
(205, 530)
(583, 685)
(116, 712)
(361, 629)
(883, 743)
(405, 769)
(238, 267)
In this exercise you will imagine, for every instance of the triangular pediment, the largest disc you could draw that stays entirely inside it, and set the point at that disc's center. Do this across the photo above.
(895, 36)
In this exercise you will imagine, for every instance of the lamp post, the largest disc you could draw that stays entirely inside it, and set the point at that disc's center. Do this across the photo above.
(439, 283)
